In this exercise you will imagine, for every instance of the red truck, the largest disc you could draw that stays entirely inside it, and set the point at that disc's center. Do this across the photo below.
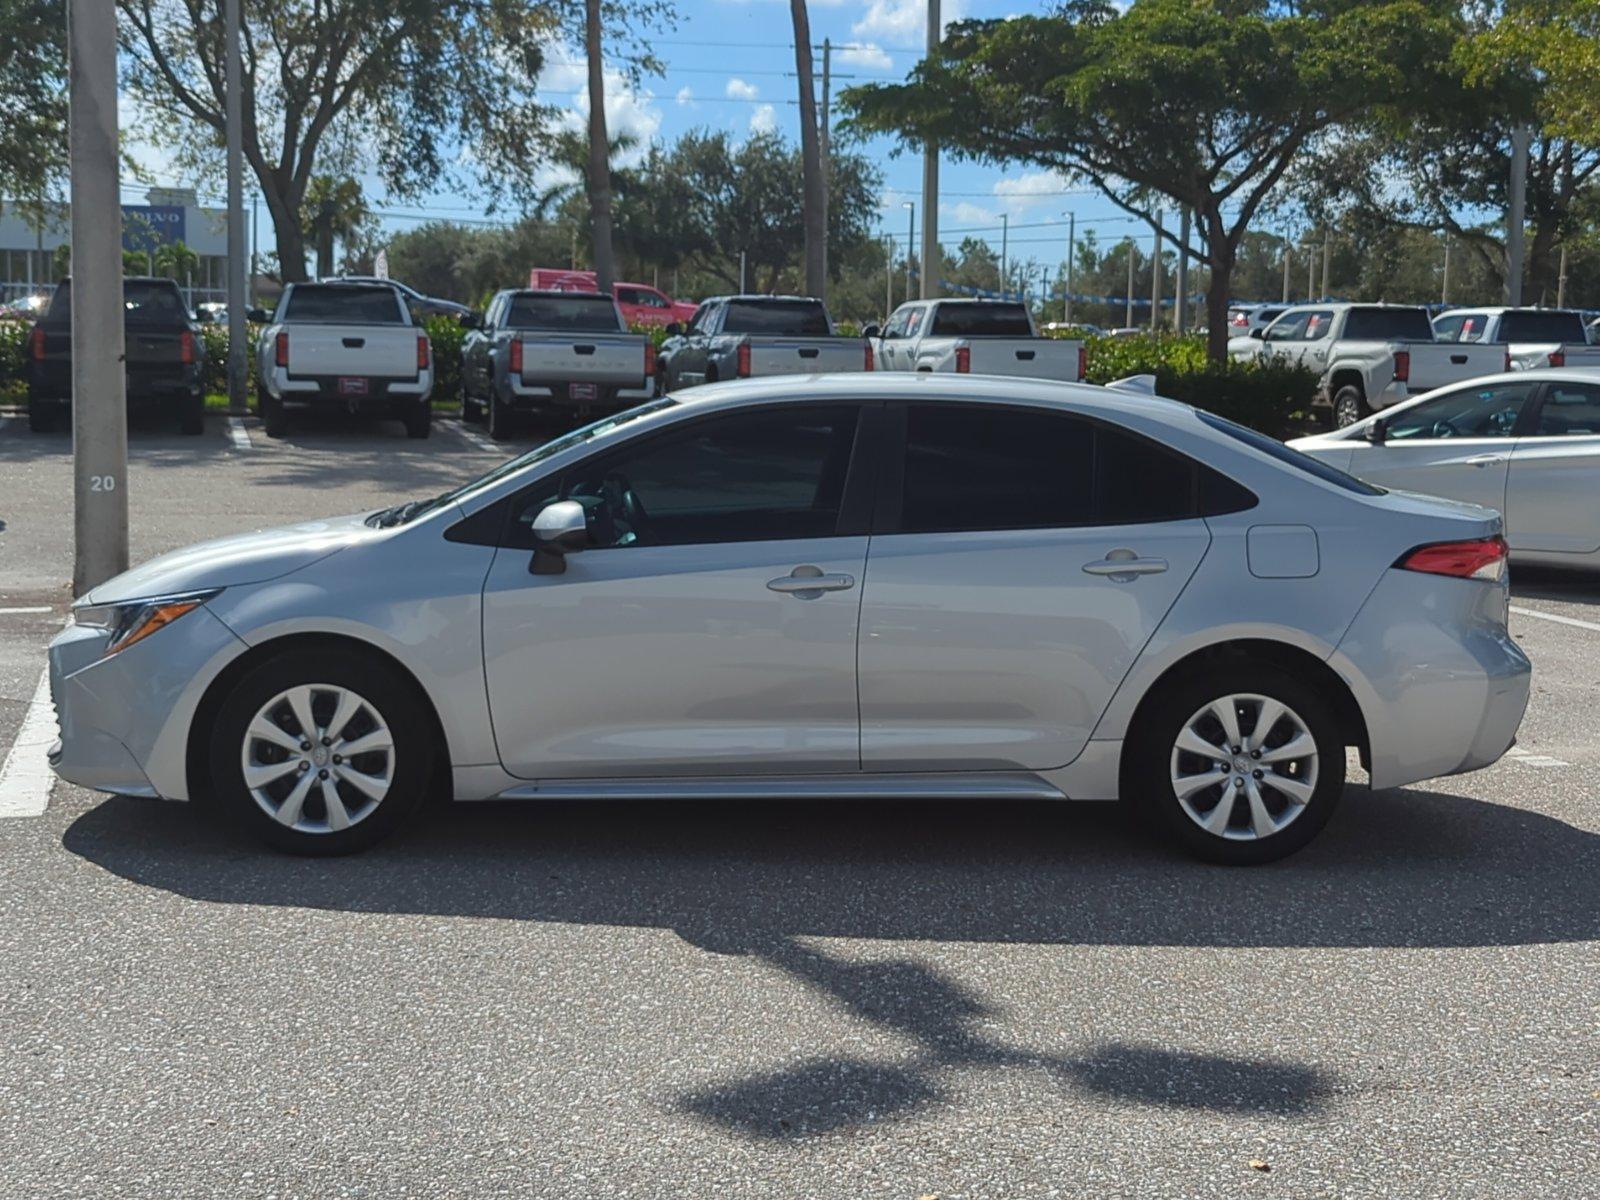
(640, 303)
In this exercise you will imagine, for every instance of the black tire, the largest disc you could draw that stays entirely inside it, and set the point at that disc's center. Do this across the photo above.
(1349, 406)
(192, 415)
(274, 419)
(389, 698)
(42, 417)
(497, 419)
(419, 421)
(1152, 757)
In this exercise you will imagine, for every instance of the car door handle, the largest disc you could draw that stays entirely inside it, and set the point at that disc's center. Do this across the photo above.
(1124, 565)
(1485, 460)
(808, 582)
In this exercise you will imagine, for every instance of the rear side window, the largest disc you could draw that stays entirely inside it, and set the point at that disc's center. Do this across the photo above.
(343, 305)
(802, 318)
(573, 312)
(970, 468)
(144, 302)
(970, 319)
(1541, 327)
(1570, 410)
(1377, 324)
(1303, 463)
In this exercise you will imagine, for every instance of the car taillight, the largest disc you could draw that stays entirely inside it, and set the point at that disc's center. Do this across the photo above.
(742, 369)
(1506, 364)
(963, 359)
(1402, 365)
(516, 356)
(281, 353)
(422, 352)
(1480, 558)
(1558, 358)
(649, 361)
(1083, 363)
(36, 344)
(869, 361)
(186, 347)
(1239, 319)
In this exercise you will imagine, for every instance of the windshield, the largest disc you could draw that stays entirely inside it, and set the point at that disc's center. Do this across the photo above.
(803, 318)
(1388, 325)
(342, 304)
(973, 319)
(1541, 327)
(574, 312)
(598, 431)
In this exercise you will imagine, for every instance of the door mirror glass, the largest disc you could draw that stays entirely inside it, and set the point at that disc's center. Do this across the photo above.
(674, 328)
(1378, 432)
(470, 320)
(1258, 333)
(259, 316)
(871, 331)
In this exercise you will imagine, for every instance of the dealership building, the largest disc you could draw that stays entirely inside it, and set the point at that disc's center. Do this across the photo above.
(28, 251)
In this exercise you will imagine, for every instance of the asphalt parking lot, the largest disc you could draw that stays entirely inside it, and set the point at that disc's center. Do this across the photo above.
(705, 1000)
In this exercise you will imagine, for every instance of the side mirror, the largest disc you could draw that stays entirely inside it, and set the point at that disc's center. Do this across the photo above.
(1378, 431)
(872, 331)
(470, 320)
(674, 328)
(1259, 332)
(560, 529)
(258, 316)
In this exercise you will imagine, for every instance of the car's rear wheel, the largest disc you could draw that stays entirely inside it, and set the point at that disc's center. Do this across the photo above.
(274, 420)
(1242, 764)
(498, 418)
(420, 421)
(192, 414)
(1349, 406)
(321, 753)
(42, 417)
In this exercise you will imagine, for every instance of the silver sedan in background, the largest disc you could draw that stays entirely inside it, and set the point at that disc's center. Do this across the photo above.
(1525, 443)
(827, 586)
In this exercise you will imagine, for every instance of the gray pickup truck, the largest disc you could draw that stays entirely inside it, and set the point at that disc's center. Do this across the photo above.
(164, 356)
(551, 353)
(737, 337)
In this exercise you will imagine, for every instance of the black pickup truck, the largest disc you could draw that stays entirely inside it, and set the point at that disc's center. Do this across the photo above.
(165, 355)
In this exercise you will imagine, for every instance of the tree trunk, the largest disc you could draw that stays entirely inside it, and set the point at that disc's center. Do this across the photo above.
(291, 239)
(1219, 260)
(816, 230)
(599, 181)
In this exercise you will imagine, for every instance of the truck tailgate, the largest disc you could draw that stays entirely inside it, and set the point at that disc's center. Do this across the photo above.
(604, 359)
(369, 351)
(805, 356)
(1434, 364)
(1035, 358)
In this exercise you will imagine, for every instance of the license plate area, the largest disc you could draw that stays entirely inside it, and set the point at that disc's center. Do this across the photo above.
(352, 385)
(583, 391)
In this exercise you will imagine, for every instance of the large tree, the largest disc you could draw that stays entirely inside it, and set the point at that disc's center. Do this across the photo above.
(33, 99)
(1168, 103)
(409, 88)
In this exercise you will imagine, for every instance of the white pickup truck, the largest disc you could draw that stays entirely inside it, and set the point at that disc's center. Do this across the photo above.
(346, 346)
(980, 337)
(1368, 356)
(551, 353)
(1530, 337)
(738, 337)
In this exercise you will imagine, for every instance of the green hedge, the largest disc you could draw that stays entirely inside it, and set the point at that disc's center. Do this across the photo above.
(446, 334)
(14, 361)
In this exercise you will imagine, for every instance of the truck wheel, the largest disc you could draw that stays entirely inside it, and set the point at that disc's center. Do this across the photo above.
(192, 415)
(41, 417)
(419, 421)
(274, 420)
(1349, 406)
(497, 418)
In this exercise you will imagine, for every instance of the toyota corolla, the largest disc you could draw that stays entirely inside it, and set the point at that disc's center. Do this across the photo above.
(848, 586)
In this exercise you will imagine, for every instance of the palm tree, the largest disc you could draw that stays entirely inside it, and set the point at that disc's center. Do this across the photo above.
(599, 173)
(815, 214)
(333, 208)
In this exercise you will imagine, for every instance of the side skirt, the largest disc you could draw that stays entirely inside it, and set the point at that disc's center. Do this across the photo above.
(979, 785)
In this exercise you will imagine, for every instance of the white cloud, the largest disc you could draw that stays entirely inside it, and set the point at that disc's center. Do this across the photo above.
(866, 54)
(686, 96)
(967, 213)
(738, 89)
(764, 119)
(1021, 192)
(902, 22)
(627, 112)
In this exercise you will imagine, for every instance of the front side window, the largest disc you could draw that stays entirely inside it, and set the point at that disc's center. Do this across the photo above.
(751, 476)
(1288, 328)
(1469, 412)
(1448, 329)
(1318, 325)
(701, 319)
(1569, 410)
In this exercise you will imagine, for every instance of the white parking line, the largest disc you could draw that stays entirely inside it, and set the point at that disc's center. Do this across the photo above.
(26, 608)
(1529, 759)
(478, 440)
(25, 776)
(239, 435)
(1559, 620)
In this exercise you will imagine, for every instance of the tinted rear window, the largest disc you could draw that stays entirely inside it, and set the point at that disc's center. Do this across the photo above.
(981, 320)
(144, 302)
(805, 318)
(573, 312)
(1389, 325)
(1290, 457)
(313, 305)
(1541, 327)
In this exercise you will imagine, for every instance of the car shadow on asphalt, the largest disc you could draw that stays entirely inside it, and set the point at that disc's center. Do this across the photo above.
(1570, 584)
(1403, 868)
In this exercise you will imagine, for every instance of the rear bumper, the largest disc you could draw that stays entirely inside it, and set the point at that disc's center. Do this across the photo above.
(383, 393)
(1440, 683)
(557, 396)
(142, 386)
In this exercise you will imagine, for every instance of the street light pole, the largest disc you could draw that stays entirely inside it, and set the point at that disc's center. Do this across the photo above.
(1155, 278)
(911, 241)
(235, 152)
(1520, 137)
(1005, 236)
(99, 391)
(1072, 238)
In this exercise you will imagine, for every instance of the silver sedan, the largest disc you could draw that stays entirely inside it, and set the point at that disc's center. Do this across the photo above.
(844, 586)
(1525, 443)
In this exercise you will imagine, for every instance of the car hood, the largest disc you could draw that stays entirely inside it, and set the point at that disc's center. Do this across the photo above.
(232, 561)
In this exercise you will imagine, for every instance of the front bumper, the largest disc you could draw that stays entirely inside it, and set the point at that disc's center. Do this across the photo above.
(125, 718)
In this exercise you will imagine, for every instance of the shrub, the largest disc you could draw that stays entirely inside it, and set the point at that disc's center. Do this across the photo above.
(14, 361)
(446, 334)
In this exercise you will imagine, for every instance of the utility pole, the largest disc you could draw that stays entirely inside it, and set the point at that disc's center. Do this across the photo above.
(742, 288)
(1520, 137)
(825, 145)
(1072, 249)
(1287, 256)
(1180, 299)
(930, 183)
(1444, 284)
(1005, 239)
(1561, 279)
(1326, 245)
(888, 277)
(911, 240)
(1155, 278)
(1311, 273)
(235, 151)
(99, 391)
(1128, 319)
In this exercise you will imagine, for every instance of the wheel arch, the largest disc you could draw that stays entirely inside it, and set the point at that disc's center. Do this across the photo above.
(1346, 377)
(202, 727)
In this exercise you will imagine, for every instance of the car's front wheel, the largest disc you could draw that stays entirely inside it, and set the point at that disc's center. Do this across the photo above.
(1240, 764)
(321, 753)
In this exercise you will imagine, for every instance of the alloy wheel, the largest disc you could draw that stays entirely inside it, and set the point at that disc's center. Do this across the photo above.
(1244, 767)
(318, 758)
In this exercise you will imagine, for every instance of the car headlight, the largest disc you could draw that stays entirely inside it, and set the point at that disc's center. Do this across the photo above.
(131, 621)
